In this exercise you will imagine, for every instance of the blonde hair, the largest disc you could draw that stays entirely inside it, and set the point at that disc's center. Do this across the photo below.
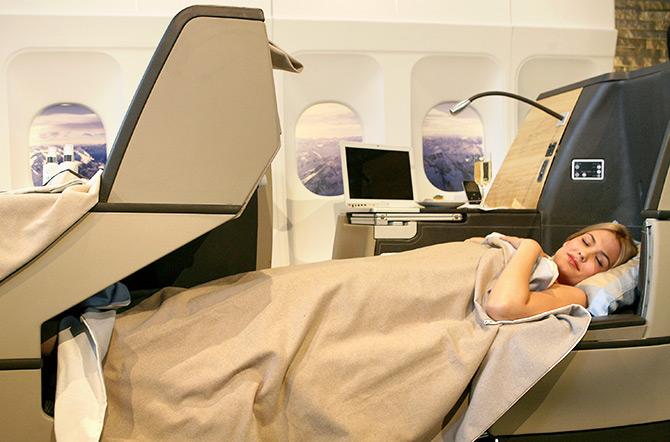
(627, 246)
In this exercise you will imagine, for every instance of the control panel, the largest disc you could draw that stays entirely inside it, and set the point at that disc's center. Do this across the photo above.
(588, 169)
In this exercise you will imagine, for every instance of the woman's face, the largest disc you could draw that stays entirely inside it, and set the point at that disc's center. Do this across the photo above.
(586, 255)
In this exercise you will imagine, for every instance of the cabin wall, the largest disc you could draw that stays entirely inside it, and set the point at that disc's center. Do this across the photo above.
(389, 63)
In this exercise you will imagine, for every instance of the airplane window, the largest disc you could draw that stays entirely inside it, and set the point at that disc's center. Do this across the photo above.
(318, 134)
(451, 145)
(67, 124)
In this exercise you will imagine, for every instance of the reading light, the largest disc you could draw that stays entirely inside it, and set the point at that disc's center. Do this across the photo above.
(465, 103)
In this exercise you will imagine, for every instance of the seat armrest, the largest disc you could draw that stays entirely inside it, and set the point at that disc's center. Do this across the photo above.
(616, 320)
(621, 327)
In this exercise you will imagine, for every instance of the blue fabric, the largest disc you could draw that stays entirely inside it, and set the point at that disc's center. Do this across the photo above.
(115, 296)
(73, 323)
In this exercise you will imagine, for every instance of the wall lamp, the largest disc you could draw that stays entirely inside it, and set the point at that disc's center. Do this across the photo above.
(465, 103)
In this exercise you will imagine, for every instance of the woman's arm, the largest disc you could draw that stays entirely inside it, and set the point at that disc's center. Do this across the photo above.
(511, 298)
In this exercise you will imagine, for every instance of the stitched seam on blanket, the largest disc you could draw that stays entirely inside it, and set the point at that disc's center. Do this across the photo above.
(531, 385)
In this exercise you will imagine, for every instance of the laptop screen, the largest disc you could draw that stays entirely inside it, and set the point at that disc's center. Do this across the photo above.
(378, 174)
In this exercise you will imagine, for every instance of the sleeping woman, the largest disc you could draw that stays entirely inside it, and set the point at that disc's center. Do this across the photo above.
(375, 348)
(592, 250)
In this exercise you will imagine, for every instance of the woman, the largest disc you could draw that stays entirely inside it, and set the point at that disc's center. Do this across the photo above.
(592, 250)
(375, 348)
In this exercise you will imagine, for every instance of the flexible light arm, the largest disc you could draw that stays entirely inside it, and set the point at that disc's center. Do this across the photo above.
(465, 103)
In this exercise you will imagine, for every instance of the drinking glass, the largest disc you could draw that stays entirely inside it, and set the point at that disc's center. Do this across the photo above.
(482, 172)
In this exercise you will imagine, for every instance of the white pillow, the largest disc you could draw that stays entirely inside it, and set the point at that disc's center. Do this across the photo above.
(610, 290)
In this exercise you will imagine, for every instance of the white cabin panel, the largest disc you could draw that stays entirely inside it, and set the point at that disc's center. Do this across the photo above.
(352, 80)
(172, 7)
(163, 8)
(564, 14)
(100, 72)
(343, 9)
(472, 12)
(74, 7)
(540, 74)
(433, 11)
(37, 80)
(545, 58)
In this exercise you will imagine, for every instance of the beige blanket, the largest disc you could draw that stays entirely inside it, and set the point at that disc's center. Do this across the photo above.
(31, 219)
(376, 348)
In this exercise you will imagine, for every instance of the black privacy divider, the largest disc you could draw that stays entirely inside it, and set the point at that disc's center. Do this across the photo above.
(622, 120)
(226, 250)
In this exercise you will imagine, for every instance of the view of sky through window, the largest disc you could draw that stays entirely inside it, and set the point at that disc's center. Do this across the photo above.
(451, 144)
(318, 134)
(67, 123)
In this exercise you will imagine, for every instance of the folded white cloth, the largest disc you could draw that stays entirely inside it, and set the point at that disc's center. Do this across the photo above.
(81, 398)
(33, 218)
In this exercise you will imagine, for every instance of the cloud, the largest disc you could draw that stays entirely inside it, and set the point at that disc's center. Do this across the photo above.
(333, 120)
(440, 122)
(66, 124)
(328, 120)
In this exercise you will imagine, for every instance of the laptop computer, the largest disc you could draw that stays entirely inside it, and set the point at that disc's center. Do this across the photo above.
(377, 178)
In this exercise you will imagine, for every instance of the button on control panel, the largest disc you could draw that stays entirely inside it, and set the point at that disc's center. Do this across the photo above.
(588, 169)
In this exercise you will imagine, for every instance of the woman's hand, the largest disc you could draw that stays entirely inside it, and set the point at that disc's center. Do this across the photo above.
(514, 240)
(516, 243)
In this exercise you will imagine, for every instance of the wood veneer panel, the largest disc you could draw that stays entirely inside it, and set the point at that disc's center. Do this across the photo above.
(518, 183)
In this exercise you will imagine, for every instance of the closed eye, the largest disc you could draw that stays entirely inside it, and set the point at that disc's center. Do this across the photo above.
(604, 261)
